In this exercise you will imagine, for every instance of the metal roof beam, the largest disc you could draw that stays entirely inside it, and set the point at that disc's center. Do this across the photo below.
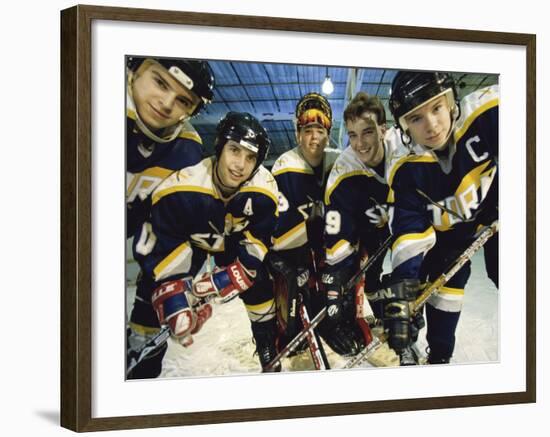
(353, 86)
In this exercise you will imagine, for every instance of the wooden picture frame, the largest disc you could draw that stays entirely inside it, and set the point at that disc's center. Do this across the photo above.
(76, 217)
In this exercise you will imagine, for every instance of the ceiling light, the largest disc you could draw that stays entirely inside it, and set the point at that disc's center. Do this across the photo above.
(328, 86)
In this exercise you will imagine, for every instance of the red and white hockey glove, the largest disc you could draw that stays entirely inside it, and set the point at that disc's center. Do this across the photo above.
(226, 283)
(174, 309)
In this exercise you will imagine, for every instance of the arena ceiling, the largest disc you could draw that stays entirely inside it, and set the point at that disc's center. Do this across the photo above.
(270, 92)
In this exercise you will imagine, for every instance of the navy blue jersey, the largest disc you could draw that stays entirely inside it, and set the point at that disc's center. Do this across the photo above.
(148, 162)
(463, 180)
(190, 219)
(301, 191)
(356, 208)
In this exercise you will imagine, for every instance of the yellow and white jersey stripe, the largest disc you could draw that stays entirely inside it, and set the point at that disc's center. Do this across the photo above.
(448, 299)
(177, 262)
(261, 312)
(293, 238)
(340, 251)
(408, 246)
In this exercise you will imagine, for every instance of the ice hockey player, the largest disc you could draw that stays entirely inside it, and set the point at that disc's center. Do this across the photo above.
(162, 95)
(443, 193)
(301, 175)
(225, 206)
(356, 220)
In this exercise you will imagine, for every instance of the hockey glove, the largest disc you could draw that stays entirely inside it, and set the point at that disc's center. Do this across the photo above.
(346, 339)
(174, 309)
(397, 315)
(226, 283)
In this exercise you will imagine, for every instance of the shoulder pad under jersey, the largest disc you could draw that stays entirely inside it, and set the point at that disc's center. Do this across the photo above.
(394, 146)
(291, 161)
(189, 132)
(347, 165)
(473, 105)
(262, 182)
(197, 178)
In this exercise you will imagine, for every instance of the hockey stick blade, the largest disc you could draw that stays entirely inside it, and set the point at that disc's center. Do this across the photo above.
(148, 348)
(155, 342)
(316, 349)
(365, 353)
(296, 341)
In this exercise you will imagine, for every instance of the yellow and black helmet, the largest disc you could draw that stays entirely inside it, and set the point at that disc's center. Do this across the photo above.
(313, 108)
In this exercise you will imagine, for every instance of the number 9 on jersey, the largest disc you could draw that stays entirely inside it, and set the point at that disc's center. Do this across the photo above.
(332, 222)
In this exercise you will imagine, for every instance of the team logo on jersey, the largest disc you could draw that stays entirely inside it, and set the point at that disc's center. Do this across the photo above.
(235, 224)
(142, 184)
(378, 215)
(467, 198)
(209, 242)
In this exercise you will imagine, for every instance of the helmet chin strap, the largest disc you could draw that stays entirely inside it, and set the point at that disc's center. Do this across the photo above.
(143, 127)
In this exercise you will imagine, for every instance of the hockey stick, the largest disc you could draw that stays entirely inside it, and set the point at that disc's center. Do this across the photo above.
(369, 262)
(482, 237)
(316, 347)
(296, 341)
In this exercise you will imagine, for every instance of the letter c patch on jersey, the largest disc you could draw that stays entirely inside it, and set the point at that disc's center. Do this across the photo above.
(469, 146)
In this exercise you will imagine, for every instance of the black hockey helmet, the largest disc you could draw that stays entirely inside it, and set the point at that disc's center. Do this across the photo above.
(410, 89)
(244, 129)
(196, 76)
(313, 108)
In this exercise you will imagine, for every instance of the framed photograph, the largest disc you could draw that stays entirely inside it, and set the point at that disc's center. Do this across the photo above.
(264, 66)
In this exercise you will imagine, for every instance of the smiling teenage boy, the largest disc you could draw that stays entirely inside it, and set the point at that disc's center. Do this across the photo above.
(356, 220)
(162, 96)
(443, 192)
(225, 206)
